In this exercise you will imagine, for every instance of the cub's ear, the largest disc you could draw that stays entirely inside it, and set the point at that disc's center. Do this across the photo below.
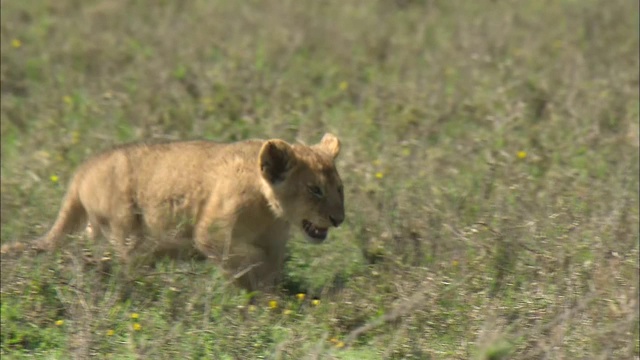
(329, 144)
(276, 159)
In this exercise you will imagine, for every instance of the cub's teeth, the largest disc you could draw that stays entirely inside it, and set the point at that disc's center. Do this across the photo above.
(313, 231)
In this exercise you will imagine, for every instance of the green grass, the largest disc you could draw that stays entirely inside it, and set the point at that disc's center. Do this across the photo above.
(454, 247)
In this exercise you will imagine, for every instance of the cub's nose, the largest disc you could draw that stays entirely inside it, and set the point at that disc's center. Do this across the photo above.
(336, 220)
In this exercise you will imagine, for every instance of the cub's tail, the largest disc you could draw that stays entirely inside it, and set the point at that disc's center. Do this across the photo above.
(18, 247)
(71, 217)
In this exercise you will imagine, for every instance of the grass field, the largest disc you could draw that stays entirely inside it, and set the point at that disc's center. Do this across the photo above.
(490, 160)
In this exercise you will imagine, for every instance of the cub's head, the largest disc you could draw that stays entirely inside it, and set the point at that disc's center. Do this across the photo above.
(303, 186)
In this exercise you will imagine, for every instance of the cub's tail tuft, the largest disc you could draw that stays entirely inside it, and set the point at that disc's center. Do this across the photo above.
(18, 248)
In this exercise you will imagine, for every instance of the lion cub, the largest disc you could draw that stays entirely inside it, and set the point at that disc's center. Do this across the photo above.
(233, 203)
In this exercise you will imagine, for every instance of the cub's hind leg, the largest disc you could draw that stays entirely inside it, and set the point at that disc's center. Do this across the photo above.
(125, 232)
(94, 228)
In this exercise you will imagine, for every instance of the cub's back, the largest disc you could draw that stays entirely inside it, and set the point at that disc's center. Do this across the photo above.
(161, 171)
(181, 155)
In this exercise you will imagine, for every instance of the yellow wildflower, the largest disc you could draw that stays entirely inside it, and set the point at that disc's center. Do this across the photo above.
(521, 154)
(300, 296)
(315, 302)
(54, 179)
(340, 344)
(288, 312)
(16, 43)
(208, 103)
(273, 304)
(135, 316)
(110, 332)
(343, 86)
(333, 340)
(379, 175)
(137, 327)
(251, 308)
(59, 322)
(67, 100)
(454, 263)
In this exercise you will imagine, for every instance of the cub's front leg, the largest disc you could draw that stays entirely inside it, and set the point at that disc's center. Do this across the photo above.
(252, 262)
(251, 267)
(272, 245)
(214, 237)
(247, 265)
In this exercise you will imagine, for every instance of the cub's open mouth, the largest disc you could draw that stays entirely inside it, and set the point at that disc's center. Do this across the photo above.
(313, 231)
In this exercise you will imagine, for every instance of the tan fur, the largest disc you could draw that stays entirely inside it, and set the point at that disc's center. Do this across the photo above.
(232, 202)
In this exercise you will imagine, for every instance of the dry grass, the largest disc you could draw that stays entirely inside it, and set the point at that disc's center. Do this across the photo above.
(490, 163)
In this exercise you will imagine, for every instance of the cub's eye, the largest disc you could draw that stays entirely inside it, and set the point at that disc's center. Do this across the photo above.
(316, 191)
